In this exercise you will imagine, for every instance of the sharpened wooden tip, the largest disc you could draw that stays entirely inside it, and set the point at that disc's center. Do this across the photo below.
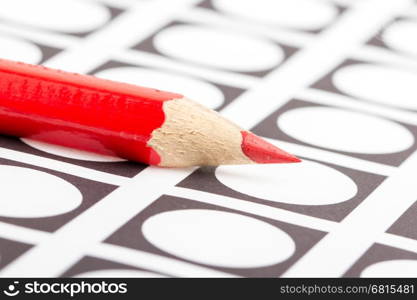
(193, 135)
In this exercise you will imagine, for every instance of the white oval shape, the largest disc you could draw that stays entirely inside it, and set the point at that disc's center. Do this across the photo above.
(119, 273)
(19, 50)
(216, 48)
(307, 183)
(401, 36)
(69, 152)
(218, 238)
(342, 130)
(203, 92)
(392, 268)
(387, 85)
(63, 15)
(298, 14)
(27, 193)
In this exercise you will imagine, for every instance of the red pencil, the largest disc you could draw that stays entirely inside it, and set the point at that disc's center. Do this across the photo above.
(112, 118)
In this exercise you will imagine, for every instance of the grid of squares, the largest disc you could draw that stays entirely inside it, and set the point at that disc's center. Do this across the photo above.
(125, 240)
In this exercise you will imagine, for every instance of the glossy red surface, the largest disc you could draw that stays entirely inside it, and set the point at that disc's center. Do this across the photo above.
(262, 152)
(80, 111)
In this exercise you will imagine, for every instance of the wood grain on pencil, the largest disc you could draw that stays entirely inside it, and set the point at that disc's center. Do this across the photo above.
(112, 118)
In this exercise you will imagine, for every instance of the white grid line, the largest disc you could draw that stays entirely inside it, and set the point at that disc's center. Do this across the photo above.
(63, 167)
(381, 55)
(66, 246)
(335, 158)
(156, 61)
(46, 37)
(338, 100)
(341, 247)
(399, 242)
(148, 184)
(153, 262)
(266, 211)
(205, 17)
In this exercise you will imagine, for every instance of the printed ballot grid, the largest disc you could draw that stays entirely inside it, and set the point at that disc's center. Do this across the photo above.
(332, 81)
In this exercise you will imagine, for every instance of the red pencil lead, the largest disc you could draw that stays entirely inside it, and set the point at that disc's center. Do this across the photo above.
(260, 151)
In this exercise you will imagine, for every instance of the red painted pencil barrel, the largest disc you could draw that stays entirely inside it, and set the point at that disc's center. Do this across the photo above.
(80, 111)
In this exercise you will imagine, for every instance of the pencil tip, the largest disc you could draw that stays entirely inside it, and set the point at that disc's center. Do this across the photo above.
(262, 152)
